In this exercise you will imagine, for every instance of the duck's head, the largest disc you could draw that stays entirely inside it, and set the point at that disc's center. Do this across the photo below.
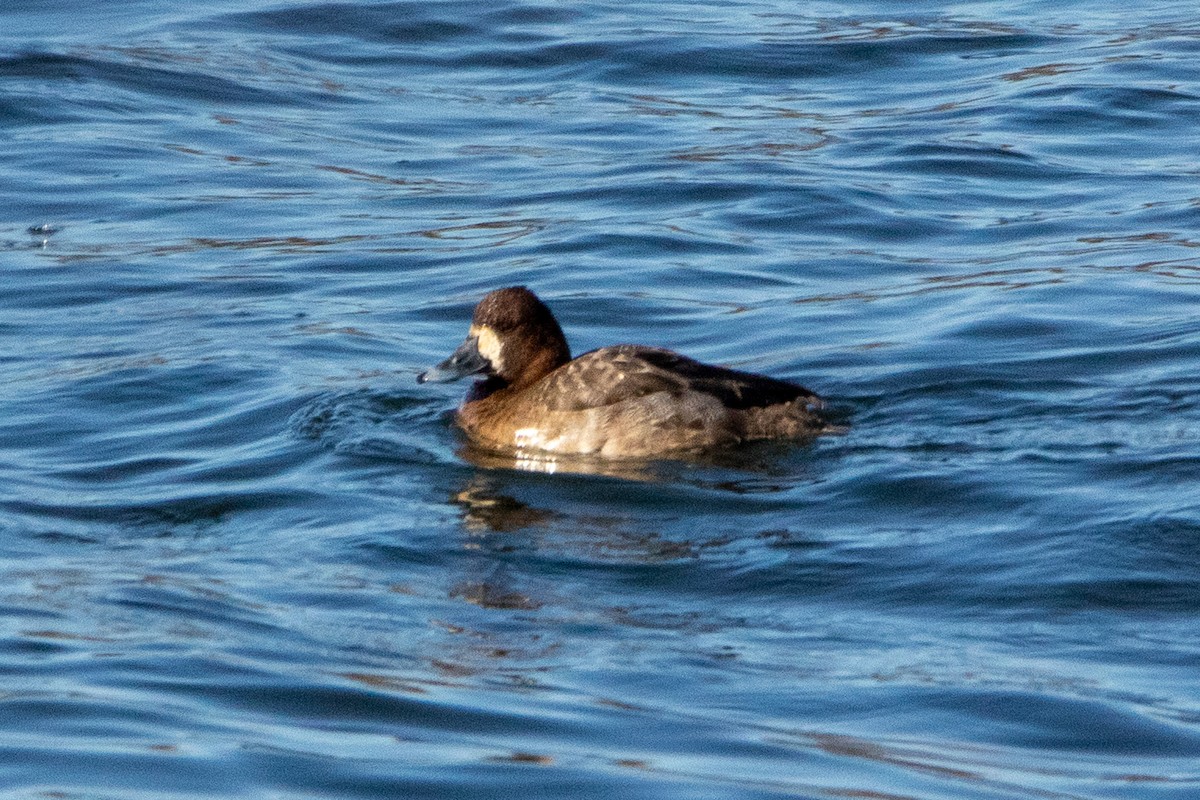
(513, 337)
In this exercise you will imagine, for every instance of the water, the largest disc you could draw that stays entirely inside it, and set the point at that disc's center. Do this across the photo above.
(244, 554)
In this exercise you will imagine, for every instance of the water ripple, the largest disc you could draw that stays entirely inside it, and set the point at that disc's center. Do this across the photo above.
(244, 553)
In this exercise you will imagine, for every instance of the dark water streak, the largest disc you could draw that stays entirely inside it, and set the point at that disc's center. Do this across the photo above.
(245, 554)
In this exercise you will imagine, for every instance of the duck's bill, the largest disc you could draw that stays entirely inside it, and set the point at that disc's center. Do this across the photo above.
(466, 360)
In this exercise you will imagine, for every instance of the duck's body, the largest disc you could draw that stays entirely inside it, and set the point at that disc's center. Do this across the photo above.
(627, 401)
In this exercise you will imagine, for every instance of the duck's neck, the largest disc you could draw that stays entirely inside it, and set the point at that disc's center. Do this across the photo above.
(545, 361)
(485, 388)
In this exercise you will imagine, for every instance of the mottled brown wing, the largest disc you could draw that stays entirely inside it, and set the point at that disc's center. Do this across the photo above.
(613, 374)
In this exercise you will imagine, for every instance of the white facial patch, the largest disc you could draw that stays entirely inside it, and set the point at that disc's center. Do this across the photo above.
(488, 344)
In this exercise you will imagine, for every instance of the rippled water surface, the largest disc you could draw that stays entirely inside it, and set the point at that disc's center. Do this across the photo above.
(244, 554)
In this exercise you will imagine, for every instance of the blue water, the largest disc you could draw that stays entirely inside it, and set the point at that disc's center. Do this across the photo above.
(244, 554)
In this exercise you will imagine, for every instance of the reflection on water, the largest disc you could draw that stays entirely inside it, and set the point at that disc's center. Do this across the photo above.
(484, 511)
(491, 517)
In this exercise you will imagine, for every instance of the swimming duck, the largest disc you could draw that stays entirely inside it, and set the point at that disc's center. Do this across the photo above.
(625, 401)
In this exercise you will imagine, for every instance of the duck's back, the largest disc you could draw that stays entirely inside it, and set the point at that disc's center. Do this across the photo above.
(627, 371)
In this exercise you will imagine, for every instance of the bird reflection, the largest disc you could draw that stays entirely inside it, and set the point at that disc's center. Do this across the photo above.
(484, 510)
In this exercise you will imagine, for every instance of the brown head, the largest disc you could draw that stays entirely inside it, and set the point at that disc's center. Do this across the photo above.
(513, 337)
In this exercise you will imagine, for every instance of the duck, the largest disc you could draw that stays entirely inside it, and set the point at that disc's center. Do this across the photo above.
(618, 402)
